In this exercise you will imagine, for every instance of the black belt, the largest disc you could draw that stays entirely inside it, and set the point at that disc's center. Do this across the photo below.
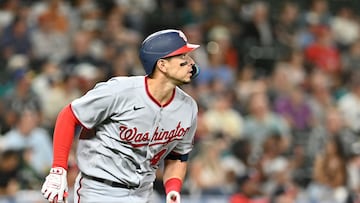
(109, 182)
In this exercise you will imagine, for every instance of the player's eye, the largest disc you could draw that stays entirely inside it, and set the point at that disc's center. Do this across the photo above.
(182, 56)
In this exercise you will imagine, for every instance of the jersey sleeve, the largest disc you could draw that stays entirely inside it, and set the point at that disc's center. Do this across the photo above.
(187, 143)
(96, 105)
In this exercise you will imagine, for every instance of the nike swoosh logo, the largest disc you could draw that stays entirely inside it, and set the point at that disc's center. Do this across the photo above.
(137, 108)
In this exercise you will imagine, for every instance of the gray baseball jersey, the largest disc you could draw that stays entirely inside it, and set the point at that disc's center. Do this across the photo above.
(133, 132)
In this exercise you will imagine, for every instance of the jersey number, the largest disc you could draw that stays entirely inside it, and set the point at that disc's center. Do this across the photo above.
(155, 160)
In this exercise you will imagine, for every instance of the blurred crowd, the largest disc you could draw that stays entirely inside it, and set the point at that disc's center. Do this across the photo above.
(278, 92)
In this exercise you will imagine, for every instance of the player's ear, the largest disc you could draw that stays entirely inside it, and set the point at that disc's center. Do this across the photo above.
(161, 64)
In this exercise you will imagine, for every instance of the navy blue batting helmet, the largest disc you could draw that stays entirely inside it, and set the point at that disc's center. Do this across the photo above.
(164, 44)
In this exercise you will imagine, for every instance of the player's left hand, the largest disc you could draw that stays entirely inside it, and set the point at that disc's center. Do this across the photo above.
(173, 197)
(55, 188)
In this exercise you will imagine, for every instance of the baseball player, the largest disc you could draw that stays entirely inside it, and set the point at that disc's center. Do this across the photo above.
(129, 125)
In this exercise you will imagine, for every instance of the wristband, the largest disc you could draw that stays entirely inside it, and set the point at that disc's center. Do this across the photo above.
(173, 184)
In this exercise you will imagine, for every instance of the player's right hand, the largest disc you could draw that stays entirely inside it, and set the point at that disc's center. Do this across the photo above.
(173, 197)
(55, 187)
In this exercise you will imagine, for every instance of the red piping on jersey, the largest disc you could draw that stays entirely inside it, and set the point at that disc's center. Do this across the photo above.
(78, 190)
(63, 136)
(153, 99)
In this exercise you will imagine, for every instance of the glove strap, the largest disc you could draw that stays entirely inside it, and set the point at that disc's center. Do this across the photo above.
(173, 184)
(57, 170)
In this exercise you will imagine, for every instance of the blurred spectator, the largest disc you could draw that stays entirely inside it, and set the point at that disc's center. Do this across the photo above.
(236, 162)
(222, 36)
(332, 128)
(257, 39)
(20, 98)
(90, 15)
(345, 27)
(287, 26)
(7, 12)
(49, 43)
(288, 193)
(248, 190)
(320, 97)
(9, 166)
(221, 12)
(81, 53)
(11, 67)
(295, 109)
(279, 81)
(124, 62)
(246, 85)
(294, 67)
(259, 30)
(34, 140)
(351, 58)
(115, 30)
(166, 14)
(287, 73)
(15, 38)
(275, 168)
(55, 91)
(300, 167)
(29, 178)
(317, 14)
(323, 53)
(202, 129)
(207, 175)
(349, 103)
(272, 162)
(217, 68)
(42, 82)
(195, 12)
(209, 91)
(329, 175)
(220, 117)
(88, 75)
(353, 179)
(136, 12)
(262, 122)
(53, 14)
(59, 95)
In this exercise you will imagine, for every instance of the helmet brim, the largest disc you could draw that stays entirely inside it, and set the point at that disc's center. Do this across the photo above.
(184, 49)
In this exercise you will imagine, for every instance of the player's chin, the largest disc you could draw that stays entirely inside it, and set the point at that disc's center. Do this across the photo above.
(187, 79)
(184, 81)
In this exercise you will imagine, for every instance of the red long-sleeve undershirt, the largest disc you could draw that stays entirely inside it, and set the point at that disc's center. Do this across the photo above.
(63, 136)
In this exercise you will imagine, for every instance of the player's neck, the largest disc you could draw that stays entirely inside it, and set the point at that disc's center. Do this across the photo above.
(160, 90)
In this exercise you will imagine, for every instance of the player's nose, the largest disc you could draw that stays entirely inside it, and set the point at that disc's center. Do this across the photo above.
(189, 60)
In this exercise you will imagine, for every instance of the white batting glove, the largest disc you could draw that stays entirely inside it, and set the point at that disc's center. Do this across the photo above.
(55, 187)
(173, 197)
